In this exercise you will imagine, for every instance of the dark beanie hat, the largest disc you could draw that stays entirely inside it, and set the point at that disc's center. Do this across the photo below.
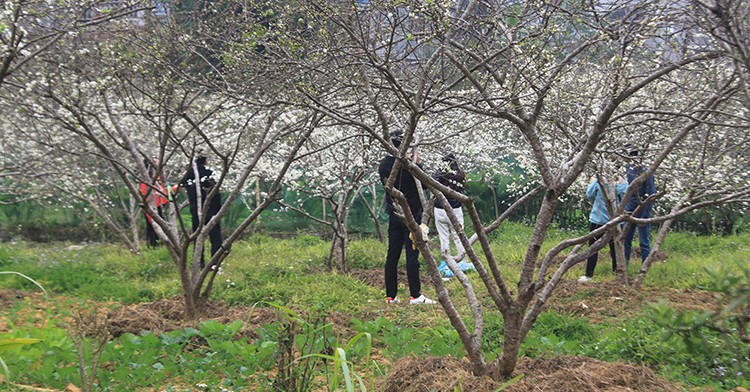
(631, 150)
(396, 138)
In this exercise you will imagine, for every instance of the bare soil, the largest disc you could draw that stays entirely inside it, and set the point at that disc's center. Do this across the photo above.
(599, 301)
(559, 374)
(168, 315)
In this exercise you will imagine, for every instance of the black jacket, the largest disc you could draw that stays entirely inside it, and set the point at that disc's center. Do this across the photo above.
(453, 178)
(404, 182)
(207, 183)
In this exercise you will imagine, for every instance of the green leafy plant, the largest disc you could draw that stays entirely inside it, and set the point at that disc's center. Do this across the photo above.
(731, 314)
(400, 341)
(555, 334)
(714, 332)
(9, 344)
(343, 368)
(306, 347)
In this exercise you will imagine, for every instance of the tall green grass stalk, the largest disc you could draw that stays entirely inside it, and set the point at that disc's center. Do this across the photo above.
(314, 348)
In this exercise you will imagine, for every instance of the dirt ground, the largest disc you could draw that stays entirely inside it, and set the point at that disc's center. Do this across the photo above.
(168, 315)
(559, 374)
(599, 301)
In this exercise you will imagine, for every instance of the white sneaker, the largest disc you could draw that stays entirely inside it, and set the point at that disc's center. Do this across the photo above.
(393, 300)
(584, 279)
(420, 300)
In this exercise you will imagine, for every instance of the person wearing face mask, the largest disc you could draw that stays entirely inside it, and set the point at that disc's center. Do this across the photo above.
(398, 233)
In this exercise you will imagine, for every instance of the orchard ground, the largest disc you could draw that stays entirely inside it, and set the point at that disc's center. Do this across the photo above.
(594, 336)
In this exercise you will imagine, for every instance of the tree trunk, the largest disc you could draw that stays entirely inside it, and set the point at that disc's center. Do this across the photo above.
(194, 306)
(505, 364)
(337, 255)
(135, 246)
(332, 252)
(513, 335)
(337, 252)
(191, 304)
(541, 227)
(324, 215)
(341, 254)
(656, 246)
(494, 199)
(622, 267)
(258, 223)
(341, 232)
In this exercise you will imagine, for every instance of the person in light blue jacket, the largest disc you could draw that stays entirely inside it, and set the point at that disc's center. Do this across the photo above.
(599, 217)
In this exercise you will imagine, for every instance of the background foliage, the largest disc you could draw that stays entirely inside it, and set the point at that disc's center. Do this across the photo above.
(47, 221)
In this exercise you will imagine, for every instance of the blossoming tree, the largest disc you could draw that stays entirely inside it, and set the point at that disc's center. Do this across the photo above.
(569, 84)
(335, 166)
(30, 29)
(118, 94)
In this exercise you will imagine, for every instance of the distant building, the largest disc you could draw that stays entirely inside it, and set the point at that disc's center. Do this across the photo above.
(135, 11)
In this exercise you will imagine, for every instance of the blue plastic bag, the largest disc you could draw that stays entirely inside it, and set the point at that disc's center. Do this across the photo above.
(466, 266)
(446, 272)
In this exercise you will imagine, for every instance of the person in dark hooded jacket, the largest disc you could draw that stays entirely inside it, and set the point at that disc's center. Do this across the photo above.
(646, 189)
(398, 233)
(205, 184)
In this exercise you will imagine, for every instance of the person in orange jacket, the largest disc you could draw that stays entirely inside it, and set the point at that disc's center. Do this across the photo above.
(158, 192)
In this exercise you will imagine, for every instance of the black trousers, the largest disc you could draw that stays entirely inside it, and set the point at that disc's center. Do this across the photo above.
(151, 237)
(398, 239)
(591, 261)
(214, 235)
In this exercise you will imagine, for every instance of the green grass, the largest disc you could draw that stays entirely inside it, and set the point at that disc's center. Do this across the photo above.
(93, 271)
(292, 272)
(689, 255)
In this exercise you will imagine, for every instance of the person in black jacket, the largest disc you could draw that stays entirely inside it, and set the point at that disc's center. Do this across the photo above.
(453, 177)
(205, 184)
(398, 233)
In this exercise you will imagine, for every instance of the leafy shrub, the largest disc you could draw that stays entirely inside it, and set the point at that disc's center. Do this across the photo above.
(306, 240)
(52, 361)
(718, 339)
